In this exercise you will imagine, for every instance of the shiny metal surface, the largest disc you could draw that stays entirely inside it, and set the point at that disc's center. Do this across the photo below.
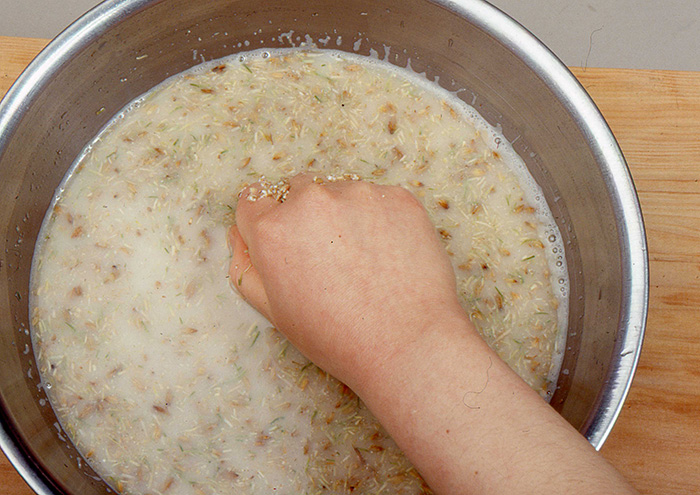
(124, 47)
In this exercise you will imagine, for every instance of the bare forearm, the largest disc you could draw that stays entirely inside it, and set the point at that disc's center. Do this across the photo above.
(470, 425)
(356, 277)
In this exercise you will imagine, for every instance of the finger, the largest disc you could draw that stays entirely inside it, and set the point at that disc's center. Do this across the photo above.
(252, 203)
(299, 181)
(263, 198)
(245, 279)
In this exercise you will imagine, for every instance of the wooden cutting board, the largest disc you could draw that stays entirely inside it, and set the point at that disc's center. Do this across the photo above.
(655, 116)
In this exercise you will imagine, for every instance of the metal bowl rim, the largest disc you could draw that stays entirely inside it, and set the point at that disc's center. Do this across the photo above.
(542, 62)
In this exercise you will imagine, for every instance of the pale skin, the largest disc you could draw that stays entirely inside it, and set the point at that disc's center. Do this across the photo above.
(355, 276)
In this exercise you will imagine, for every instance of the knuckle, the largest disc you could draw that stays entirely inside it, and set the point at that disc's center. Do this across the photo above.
(316, 197)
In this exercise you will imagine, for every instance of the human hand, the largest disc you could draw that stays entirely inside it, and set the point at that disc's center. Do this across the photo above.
(355, 276)
(350, 272)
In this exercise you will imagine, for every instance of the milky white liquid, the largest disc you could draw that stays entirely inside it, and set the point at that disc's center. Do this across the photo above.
(165, 380)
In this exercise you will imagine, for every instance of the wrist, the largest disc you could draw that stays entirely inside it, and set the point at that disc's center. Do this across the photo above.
(405, 360)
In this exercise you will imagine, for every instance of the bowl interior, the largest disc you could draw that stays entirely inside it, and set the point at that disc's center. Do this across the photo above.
(122, 49)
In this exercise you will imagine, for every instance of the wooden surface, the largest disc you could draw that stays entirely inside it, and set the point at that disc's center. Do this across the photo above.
(655, 116)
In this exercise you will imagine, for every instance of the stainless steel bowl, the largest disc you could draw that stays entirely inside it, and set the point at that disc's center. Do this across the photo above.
(122, 48)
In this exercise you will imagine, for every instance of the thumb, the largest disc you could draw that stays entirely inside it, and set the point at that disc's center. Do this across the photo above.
(245, 279)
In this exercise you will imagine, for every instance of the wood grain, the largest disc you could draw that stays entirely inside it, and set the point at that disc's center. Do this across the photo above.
(15, 55)
(655, 116)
